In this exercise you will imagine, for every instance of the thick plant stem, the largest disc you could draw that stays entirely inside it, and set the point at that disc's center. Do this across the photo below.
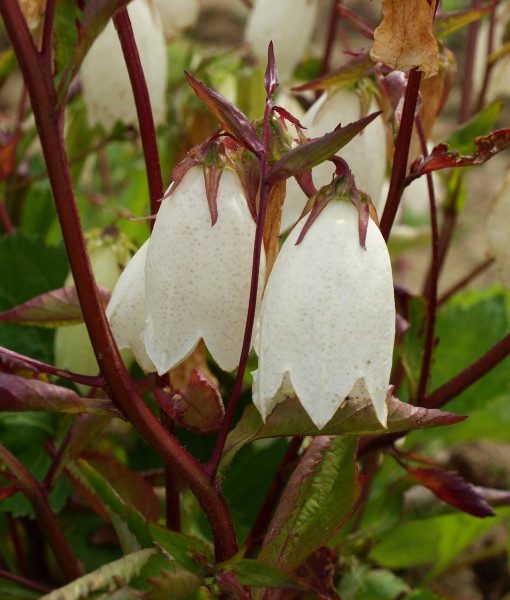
(435, 266)
(143, 107)
(48, 522)
(121, 388)
(398, 173)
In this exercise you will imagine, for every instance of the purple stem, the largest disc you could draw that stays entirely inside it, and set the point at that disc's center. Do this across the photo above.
(25, 582)
(46, 48)
(143, 107)
(90, 380)
(265, 189)
(121, 388)
(398, 172)
(488, 65)
(434, 276)
(330, 39)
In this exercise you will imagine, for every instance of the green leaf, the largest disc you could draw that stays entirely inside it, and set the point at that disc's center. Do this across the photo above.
(190, 552)
(347, 75)
(481, 123)
(256, 573)
(363, 583)
(12, 591)
(319, 497)
(449, 22)
(316, 151)
(18, 394)
(129, 524)
(353, 418)
(103, 578)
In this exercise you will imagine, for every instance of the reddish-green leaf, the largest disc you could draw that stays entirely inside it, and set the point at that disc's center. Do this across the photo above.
(20, 394)
(348, 74)
(52, 309)
(352, 418)
(316, 151)
(231, 118)
(271, 77)
(447, 23)
(318, 499)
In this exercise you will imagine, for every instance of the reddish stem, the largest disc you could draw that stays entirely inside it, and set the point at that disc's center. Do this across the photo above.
(265, 189)
(330, 38)
(21, 561)
(434, 270)
(488, 64)
(362, 25)
(37, 496)
(25, 582)
(143, 107)
(398, 172)
(467, 80)
(40, 367)
(121, 388)
(46, 47)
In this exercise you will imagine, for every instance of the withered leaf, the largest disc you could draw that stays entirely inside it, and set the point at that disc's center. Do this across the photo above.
(405, 38)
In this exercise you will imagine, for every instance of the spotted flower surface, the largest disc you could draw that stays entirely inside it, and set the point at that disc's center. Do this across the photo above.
(126, 310)
(365, 154)
(327, 321)
(198, 275)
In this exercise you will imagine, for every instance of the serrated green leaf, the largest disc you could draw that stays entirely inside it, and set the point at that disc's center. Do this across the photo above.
(352, 418)
(320, 495)
(256, 573)
(104, 577)
(184, 549)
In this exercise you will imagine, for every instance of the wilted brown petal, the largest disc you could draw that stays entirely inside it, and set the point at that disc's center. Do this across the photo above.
(405, 38)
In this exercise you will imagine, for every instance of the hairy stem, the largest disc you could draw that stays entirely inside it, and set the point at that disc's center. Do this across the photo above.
(143, 107)
(37, 496)
(402, 145)
(121, 388)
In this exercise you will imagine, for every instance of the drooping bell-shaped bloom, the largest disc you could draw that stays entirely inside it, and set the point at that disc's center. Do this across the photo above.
(289, 24)
(198, 275)
(327, 320)
(106, 86)
(177, 15)
(126, 310)
(365, 154)
(498, 230)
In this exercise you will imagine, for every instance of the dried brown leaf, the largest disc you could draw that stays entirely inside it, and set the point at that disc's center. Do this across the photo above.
(272, 224)
(405, 38)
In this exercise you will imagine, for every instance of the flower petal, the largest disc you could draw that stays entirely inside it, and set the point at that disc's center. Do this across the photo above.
(328, 317)
(198, 275)
(126, 310)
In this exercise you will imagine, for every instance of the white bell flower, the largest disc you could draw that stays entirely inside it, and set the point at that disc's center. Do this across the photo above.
(105, 80)
(498, 228)
(289, 24)
(126, 310)
(327, 320)
(365, 154)
(177, 15)
(198, 275)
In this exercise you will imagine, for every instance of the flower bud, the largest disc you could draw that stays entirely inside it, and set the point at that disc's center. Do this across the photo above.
(497, 230)
(365, 154)
(289, 24)
(177, 15)
(106, 85)
(198, 274)
(327, 321)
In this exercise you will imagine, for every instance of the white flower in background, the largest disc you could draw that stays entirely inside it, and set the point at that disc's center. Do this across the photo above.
(73, 349)
(327, 321)
(365, 154)
(106, 86)
(499, 81)
(198, 275)
(177, 15)
(498, 230)
(126, 310)
(289, 24)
